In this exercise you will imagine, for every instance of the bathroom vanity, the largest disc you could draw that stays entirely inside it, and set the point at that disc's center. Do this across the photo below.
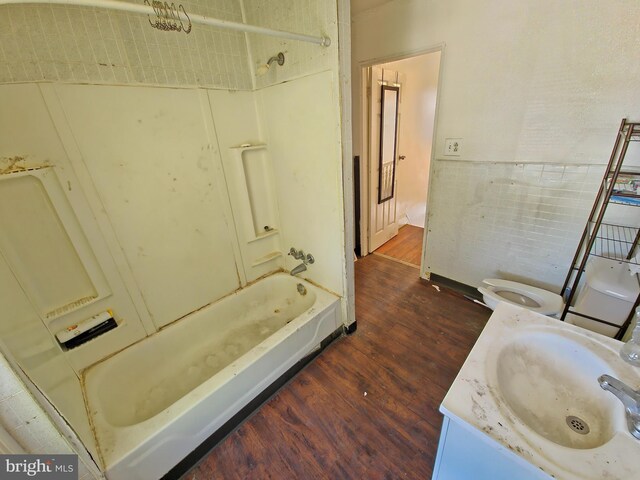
(527, 404)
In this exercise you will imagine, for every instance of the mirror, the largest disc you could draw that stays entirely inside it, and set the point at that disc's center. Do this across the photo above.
(388, 136)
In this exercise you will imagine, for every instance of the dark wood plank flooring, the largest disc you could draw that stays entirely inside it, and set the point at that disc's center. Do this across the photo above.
(406, 246)
(366, 407)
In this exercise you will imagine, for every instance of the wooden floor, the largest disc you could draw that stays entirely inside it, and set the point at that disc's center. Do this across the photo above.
(406, 246)
(367, 407)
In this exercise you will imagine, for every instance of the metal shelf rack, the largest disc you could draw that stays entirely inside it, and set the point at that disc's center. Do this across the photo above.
(600, 239)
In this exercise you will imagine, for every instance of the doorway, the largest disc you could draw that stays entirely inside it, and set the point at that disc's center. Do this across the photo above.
(393, 217)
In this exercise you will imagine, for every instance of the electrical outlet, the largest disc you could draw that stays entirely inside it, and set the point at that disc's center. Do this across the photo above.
(453, 147)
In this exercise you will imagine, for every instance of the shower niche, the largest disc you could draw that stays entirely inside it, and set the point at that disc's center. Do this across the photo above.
(251, 185)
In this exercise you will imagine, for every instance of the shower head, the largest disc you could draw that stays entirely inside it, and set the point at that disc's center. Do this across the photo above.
(264, 68)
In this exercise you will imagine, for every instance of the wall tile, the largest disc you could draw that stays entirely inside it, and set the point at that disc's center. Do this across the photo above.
(311, 17)
(89, 45)
(9, 384)
(25, 420)
(515, 221)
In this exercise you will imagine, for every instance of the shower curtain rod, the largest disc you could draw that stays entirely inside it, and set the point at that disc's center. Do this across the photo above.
(195, 18)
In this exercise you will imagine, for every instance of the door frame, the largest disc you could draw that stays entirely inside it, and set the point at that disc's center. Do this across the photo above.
(364, 147)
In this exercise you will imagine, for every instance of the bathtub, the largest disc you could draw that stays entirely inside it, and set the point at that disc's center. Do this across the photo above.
(156, 401)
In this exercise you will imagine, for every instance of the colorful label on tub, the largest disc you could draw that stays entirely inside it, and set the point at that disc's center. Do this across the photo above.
(50, 467)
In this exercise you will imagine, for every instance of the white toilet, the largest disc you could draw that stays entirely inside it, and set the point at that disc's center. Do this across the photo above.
(609, 292)
(535, 299)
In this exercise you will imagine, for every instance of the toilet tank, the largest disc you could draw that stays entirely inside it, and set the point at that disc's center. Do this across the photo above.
(609, 292)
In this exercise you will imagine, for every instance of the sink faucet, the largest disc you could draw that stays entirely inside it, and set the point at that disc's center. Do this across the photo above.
(300, 255)
(629, 397)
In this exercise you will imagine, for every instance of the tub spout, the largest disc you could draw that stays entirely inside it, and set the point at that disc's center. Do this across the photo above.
(300, 268)
(306, 258)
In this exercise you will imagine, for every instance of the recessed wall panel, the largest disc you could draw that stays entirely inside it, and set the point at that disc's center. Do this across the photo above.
(38, 248)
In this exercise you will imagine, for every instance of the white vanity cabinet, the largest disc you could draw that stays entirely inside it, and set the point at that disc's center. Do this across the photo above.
(466, 453)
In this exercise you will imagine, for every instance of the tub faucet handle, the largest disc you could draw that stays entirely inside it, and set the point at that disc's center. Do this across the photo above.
(298, 254)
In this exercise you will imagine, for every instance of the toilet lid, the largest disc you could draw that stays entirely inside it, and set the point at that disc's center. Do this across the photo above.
(549, 303)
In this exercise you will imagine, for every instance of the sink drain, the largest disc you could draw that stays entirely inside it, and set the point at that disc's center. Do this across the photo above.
(577, 425)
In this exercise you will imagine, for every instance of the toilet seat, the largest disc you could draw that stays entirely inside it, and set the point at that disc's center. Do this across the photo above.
(549, 303)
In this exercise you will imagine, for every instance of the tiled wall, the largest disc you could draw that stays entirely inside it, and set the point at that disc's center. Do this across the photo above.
(516, 221)
(91, 45)
(311, 17)
(27, 423)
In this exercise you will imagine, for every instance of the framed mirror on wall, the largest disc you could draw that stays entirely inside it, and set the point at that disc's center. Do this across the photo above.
(388, 137)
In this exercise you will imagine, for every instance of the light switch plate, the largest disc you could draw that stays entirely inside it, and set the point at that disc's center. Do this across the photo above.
(453, 147)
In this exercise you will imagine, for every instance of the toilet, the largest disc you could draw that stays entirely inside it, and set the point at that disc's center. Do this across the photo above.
(535, 299)
(609, 292)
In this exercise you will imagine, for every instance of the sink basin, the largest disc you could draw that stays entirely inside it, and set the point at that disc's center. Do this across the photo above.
(529, 390)
(548, 381)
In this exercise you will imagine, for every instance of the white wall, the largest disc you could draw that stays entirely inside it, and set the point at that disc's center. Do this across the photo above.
(531, 81)
(415, 134)
(309, 182)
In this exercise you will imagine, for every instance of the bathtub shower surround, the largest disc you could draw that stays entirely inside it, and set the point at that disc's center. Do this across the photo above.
(164, 204)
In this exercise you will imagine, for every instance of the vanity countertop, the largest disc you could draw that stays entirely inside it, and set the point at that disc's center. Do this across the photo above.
(525, 364)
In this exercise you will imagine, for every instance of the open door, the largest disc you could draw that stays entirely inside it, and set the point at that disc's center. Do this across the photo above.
(384, 87)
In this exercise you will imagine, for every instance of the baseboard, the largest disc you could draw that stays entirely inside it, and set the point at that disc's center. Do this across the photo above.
(349, 329)
(463, 288)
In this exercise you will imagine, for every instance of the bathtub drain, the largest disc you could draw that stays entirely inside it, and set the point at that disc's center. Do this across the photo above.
(577, 425)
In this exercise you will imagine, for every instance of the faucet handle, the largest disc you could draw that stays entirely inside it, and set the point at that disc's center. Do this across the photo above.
(297, 254)
(300, 255)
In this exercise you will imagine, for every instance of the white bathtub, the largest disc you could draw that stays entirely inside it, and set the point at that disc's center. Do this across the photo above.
(156, 401)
